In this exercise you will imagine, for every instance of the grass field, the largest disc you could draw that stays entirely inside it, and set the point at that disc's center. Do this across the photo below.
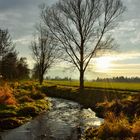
(104, 85)
(118, 103)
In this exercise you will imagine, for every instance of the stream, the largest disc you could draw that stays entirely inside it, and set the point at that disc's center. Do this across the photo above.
(66, 120)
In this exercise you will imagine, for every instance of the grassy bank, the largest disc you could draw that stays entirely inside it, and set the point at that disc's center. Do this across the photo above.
(119, 108)
(19, 103)
(89, 98)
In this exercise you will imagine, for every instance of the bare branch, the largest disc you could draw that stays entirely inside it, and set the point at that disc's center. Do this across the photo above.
(78, 23)
(44, 50)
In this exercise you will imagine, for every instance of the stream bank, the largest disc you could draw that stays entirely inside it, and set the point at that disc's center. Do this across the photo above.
(66, 120)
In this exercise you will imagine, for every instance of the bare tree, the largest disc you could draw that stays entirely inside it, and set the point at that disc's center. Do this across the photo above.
(44, 51)
(81, 27)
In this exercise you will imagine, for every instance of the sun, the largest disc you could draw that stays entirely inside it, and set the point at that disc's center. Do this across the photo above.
(103, 63)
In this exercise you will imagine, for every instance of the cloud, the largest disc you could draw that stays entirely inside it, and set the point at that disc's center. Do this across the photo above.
(23, 40)
(126, 56)
(125, 66)
(126, 34)
(136, 39)
(116, 64)
(20, 17)
(116, 56)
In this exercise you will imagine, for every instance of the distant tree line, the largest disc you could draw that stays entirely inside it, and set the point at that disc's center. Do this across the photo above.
(119, 79)
(11, 67)
(59, 78)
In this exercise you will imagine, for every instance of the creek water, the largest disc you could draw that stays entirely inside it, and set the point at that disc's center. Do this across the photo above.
(66, 120)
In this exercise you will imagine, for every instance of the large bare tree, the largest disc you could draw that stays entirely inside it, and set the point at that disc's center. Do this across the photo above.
(81, 27)
(44, 50)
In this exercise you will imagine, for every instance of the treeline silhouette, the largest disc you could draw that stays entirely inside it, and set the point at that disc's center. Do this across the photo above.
(113, 79)
(119, 79)
(11, 66)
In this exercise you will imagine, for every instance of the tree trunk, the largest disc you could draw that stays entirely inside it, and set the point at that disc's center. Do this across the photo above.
(41, 79)
(81, 68)
(81, 81)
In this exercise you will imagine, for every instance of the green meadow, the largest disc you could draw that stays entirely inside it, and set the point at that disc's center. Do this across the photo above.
(105, 85)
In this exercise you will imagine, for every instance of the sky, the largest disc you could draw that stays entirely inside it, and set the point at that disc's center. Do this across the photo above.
(21, 16)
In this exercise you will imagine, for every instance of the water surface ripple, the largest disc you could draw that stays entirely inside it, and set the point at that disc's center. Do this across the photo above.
(65, 121)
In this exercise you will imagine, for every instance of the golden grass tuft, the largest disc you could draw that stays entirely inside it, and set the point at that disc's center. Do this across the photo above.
(6, 95)
(114, 127)
(136, 128)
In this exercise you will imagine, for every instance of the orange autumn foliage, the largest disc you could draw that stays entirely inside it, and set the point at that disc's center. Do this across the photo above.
(6, 95)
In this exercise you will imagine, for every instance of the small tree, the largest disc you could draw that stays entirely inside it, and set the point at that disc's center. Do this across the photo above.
(44, 52)
(35, 72)
(22, 69)
(9, 66)
(6, 45)
(80, 27)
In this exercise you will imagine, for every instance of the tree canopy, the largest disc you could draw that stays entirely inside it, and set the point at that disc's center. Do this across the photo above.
(10, 66)
(82, 28)
(45, 52)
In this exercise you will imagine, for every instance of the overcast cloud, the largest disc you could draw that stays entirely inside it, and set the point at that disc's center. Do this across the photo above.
(20, 17)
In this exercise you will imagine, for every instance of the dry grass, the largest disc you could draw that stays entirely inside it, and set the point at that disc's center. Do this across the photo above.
(129, 106)
(115, 128)
(6, 95)
(136, 128)
(19, 102)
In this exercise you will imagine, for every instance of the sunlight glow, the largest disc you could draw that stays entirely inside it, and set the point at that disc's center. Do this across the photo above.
(103, 63)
